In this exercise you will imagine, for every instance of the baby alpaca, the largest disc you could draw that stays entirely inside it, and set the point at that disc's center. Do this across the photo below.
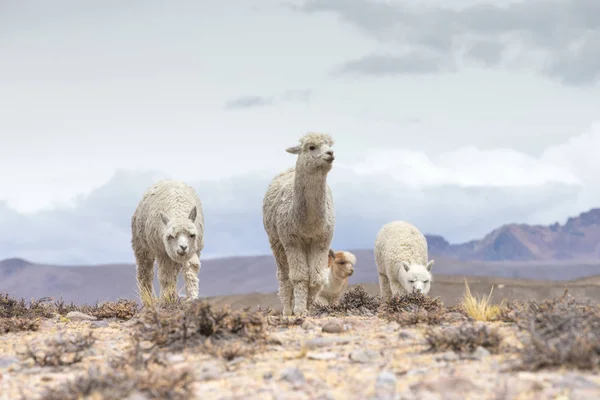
(168, 226)
(402, 260)
(341, 267)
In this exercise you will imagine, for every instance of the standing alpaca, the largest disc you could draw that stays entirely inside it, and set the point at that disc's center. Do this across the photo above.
(299, 219)
(341, 267)
(168, 225)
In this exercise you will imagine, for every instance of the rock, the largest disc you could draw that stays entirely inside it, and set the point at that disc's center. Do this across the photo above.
(405, 334)
(447, 356)
(386, 378)
(385, 386)
(7, 361)
(210, 371)
(294, 376)
(79, 316)
(327, 355)
(480, 353)
(175, 358)
(130, 323)
(364, 356)
(326, 341)
(268, 375)
(333, 327)
(99, 324)
(47, 324)
(308, 325)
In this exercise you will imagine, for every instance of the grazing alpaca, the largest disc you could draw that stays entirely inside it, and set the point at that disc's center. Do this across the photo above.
(341, 267)
(298, 216)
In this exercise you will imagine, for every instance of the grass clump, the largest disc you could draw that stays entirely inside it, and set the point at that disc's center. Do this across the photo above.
(153, 382)
(562, 332)
(479, 309)
(463, 338)
(413, 308)
(10, 307)
(197, 323)
(355, 301)
(60, 350)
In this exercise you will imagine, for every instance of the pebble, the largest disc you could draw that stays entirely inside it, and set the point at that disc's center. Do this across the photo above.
(79, 316)
(99, 324)
(175, 358)
(386, 378)
(480, 353)
(447, 356)
(308, 325)
(333, 327)
(364, 356)
(326, 341)
(327, 355)
(6, 362)
(210, 371)
(294, 376)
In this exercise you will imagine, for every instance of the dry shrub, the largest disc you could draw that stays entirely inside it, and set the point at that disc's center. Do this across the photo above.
(463, 338)
(413, 308)
(120, 309)
(60, 350)
(18, 324)
(197, 323)
(355, 301)
(153, 382)
(10, 307)
(284, 321)
(563, 332)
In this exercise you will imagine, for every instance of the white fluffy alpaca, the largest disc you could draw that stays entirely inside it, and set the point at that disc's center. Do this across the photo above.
(402, 259)
(168, 226)
(341, 267)
(299, 219)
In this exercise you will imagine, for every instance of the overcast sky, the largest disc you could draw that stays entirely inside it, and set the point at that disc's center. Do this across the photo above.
(457, 118)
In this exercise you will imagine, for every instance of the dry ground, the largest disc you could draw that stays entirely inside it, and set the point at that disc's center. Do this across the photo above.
(412, 347)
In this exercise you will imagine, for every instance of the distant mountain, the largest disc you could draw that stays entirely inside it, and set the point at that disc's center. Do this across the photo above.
(577, 240)
(554, 253)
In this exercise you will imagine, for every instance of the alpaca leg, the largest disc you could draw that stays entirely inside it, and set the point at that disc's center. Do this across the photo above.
(384, 287)
(286, 290)
(167, 278)
(299, 277)
(190, 276)
(396, 287)
(145, 275)
(318, 271)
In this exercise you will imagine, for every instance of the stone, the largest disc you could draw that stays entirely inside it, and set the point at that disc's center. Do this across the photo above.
(210, 371)
(333, 327)
(79, 316)
(326, 341)
(447, 356)
(364, 356)
(327, 355)
(480, 353)
(294, 376)
(99, 324)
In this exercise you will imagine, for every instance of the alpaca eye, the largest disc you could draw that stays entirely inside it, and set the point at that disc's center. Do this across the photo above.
(193, 235)
(425, 281)
(312, 148)
(171, 237)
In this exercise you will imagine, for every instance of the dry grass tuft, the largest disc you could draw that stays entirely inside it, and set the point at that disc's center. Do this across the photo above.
(18, 324)
(355, 301)
(463, 338)
(412, 309)
(479, 309)
(153, 382)
(563, 332)
(10, 307)
(60, 350)
(196, 323)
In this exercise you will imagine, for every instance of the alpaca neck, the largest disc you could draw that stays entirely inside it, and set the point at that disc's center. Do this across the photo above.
(335, 283)
(309, 196)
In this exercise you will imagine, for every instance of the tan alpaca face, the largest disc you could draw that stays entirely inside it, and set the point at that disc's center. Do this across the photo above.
(342, 263)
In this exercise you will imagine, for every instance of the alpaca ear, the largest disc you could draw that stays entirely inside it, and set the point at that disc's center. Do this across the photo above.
(405, 265)
(164, 218)
(193, 214)
(331, 253)
(429, 265)
(294, 149)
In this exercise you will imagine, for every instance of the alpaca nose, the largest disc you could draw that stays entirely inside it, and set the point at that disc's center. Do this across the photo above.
(329, 152)
(351, 272)
(183, 247)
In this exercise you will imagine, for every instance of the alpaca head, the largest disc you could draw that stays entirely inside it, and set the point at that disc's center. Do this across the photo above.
(341, 263)
(314, 152)
(416, 277)
(180, 236)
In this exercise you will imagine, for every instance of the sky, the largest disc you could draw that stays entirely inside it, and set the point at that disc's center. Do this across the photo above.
(458, 118)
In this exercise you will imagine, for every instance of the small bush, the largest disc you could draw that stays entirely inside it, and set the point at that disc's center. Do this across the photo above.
(60, 350)
(10, 307)
(195, 323)
(413, 308)
(463, 338)
(154, 382)
(355, 301)
(18, 324)
(562, 332)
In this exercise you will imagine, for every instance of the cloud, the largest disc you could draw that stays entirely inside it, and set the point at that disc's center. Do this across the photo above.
(301, 96)
(558, 37)
(412, 62)
(461, 194)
